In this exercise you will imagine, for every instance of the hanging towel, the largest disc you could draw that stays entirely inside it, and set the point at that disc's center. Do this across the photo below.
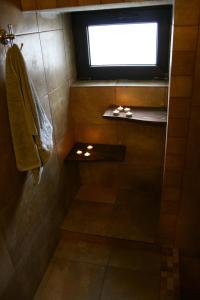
(30, 129)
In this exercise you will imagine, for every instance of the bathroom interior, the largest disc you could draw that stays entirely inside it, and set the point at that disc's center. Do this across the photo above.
(122, 221)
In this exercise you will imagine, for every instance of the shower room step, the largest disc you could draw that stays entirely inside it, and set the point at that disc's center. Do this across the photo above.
(130, 214)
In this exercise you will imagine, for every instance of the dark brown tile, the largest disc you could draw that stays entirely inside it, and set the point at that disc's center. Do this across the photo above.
(135, 216)
(82, 250)
(80, 281)
(127, 285)
(135, 259)
(96, 193)
(88, 217)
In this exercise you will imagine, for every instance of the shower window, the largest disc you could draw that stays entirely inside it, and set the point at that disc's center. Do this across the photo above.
(131, 43)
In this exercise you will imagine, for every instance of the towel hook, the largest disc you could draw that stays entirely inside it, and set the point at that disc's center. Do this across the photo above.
(7, 38)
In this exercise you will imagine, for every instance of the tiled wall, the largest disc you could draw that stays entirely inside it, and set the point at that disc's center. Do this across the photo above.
(30, 215)
(186, 25)
(145, 142)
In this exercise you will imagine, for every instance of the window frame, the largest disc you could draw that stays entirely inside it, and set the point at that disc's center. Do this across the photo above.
(159, 14)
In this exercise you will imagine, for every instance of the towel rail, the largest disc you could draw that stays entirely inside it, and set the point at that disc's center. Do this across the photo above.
(6, 38)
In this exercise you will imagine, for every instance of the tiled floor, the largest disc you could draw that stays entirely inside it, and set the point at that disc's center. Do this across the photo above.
(106, 251)
(101, 269)
(125, 214)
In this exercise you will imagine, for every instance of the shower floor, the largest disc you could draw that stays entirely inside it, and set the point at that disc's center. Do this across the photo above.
(107, 249)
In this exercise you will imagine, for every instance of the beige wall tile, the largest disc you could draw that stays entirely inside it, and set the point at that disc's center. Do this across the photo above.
(176, 145)
(178, 128)
(179, 107)
(185, 38)
(96, 133)
(181, 86)
(89, 104)
(187, 12)
(183, 63)
(141, 96)
(174, 162)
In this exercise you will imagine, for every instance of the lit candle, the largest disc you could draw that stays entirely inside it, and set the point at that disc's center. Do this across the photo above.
(79, 152)
(89, 147)
(127, 109)
(116, 112)
(129, 114)
(87, 154)
(120, 108)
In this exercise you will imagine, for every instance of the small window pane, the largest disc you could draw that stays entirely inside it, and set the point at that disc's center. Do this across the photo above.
(123, 44)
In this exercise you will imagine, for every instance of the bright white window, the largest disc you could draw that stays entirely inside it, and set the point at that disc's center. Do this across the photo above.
(123, 44)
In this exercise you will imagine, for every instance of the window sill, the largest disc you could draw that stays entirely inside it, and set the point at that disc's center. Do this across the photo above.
(139, 83)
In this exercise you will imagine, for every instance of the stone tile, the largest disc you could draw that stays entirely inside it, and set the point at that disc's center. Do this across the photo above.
(49, 21)
(80, 281)
(96, 193)
(89, 104)
(54, 58)
(135, 217)
(32, 54)
(88, 217)
(82, 250)
(11, 10)
(7, 269)
(27, 23)
(69, 46)
(141, 96)
(59, 103)
(136, 259)
(127, 285)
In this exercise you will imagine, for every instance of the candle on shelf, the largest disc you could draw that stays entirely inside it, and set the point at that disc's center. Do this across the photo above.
(89, 147)
(129, 114)
(116, 112)
(87, 154)
(79, 152)
(126, 109)
(120, 108)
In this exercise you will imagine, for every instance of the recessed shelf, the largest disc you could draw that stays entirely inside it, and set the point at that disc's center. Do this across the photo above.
(142, 114)
(100, 152)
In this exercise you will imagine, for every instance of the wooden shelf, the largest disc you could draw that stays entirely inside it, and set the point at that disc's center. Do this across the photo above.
(100, 152)
(141, 114)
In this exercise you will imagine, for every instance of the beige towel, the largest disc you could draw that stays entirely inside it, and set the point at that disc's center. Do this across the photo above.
(31, 130)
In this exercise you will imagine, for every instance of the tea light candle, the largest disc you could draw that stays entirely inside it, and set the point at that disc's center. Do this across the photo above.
(116, 112)
(127, 109)
(120, 108)
(87, 154)
(89, 147)
(129, 114)
(79, 152)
